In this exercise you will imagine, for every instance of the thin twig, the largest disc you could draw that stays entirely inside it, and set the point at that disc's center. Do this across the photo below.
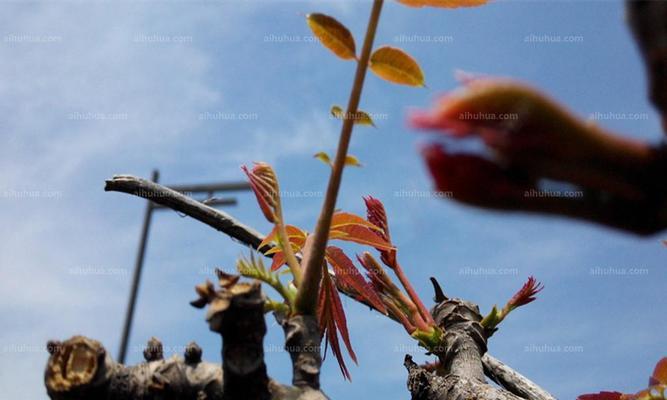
(307, 295)
(162, 195)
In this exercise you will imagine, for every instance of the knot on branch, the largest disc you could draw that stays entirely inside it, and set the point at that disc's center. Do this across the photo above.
(153, 350)
(464, 342)
(193, 353)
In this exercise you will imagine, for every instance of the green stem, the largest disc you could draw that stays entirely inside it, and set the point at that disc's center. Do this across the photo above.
(306, 300)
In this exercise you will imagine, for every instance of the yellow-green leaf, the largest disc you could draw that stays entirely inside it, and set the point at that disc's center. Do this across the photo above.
(324, 157)
(394, 65)
(337, 112)
(360, 117)
(350, 160)
(443, 3)
(333, 35)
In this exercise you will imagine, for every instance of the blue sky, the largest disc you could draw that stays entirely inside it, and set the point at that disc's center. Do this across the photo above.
(92, 89)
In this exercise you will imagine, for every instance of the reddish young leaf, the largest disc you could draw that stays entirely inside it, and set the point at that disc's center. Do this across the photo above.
(350, 276)
(340, 320)
(296, 237)
(332, 320)
(526, 294)
(278, 261)
(264, 184)
(376, 214)
(361, 235)
(343, 219)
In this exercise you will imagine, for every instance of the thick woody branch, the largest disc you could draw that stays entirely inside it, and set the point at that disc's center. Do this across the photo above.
(302, 342)
(229, 225)
(461, 375)
(512, 380)
(236, 311)
(237, 314)
(80, 368)
(427, 385)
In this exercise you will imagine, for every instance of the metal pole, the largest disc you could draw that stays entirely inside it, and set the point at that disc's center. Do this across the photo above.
(139, 262)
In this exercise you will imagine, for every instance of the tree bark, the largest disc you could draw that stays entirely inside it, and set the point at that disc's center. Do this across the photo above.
(237, 314)
(80, 368)
(461, 375)
(302, 342)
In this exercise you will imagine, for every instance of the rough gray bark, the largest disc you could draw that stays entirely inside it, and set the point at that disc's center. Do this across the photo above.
(512, 380)
(302, 342)
(80, 368)
(236, 311)
(237, 314)
(461, 375)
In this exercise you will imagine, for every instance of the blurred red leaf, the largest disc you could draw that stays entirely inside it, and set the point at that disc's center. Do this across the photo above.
(659, 374)
(657, 388)
(475, 180)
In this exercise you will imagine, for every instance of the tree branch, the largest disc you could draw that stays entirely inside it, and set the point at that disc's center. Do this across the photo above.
(162, 195)
(80, 368)
(229, 225)
(237, 314)
(512, 380)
